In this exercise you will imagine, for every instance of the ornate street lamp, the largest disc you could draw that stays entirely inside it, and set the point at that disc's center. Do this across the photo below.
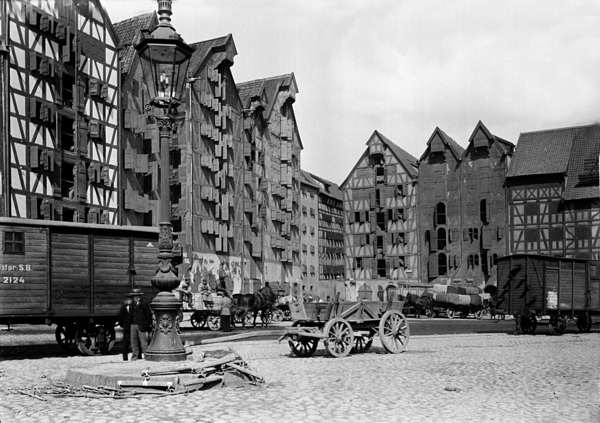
(164, 57)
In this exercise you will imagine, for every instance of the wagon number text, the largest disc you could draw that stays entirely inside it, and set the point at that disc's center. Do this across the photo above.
(13, 279)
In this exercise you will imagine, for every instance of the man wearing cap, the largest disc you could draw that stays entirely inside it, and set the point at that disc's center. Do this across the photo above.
(125, 323)
(141, 320)
(225, 311)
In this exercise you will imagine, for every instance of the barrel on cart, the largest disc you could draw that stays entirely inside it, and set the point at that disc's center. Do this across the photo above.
(531, 286)
(73, 275)
(346, 327)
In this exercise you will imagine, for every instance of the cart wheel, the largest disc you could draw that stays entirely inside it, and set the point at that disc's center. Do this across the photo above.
(302, 346)
(339, 337)
(479, 314)
(557, 325)
(95, 340)
(214, 322)
(277, 315)
(362, 344)
(528, 324)
(198, 320)
(65, 337)
(394, 331)
(584, 323)
(450, 313)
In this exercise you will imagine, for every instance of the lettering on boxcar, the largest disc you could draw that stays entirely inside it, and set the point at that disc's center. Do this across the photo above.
(14, 268)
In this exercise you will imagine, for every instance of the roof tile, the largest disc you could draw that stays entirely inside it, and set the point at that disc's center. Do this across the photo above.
(582, 174)
(128, 32)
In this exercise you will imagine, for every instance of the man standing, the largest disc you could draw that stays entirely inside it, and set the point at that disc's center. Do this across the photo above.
(125, 323)
(225, 312)
(141, 320)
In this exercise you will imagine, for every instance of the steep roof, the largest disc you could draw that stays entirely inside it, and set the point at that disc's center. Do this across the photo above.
(248, 90)
(582, 172)
(455, 147)
(329, 188)
(506, 147)
(542, 152)
(203, 48)
(271, 86)
(306, 178)
(128, 32)
(406, 159)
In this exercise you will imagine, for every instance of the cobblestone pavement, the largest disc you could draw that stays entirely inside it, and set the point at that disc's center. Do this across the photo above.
(466, 378)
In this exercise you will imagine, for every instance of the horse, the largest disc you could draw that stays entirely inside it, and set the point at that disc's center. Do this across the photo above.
(261, 301)
(420, 304)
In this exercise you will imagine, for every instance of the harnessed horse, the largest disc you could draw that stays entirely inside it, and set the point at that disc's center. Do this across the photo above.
(420, 304)
(261, 301)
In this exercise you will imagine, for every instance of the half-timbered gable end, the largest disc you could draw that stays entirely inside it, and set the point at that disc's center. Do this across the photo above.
(440, 207)
(62, 85)
(380, 218)
(272, 164)
(553, 193)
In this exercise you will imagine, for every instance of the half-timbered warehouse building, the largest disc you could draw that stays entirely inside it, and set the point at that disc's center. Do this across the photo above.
(380, 223)
(462, 207)
(205, 157)
(59, 121)
(553, 193)
(331, 235)
(271, 181)
(309, 233)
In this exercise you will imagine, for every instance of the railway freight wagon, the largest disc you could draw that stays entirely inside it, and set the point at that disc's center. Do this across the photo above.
(73, 275)
(531, 286)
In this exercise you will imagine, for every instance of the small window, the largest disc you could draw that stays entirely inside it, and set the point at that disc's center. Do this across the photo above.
(442, 265)
(14, 242)
(440, 212)
(357, 216)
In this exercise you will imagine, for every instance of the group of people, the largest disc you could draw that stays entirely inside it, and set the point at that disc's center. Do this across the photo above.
(135, 317)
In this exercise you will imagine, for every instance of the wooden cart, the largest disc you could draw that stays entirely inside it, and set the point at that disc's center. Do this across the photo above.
(531, 286)
(205, 312)
(346, 327)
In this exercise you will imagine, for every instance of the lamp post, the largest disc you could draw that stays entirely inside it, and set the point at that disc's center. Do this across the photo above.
(164, 58)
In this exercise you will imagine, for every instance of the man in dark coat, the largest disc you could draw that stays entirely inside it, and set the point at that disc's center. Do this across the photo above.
(125, 323)
(141, 321)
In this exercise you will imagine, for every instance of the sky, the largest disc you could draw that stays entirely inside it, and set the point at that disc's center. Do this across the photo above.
(406, 67)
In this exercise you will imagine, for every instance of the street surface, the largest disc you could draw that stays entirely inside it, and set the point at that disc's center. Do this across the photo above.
(476, 371)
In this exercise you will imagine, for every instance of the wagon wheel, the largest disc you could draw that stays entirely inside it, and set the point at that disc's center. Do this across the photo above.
(450, 313)
(214, 322)
(287, 316)
(95, 340)
(362, 344)
(198, 320)
(302, 346)
(65, 336)
(557, 325)
(394, 331)
(584, 323)
(528, 324)
(339, 337)
(277, 315)
(479, 314)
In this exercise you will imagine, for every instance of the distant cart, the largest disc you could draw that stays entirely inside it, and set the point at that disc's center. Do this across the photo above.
(346, 327)
(565, 289)
(206, 311)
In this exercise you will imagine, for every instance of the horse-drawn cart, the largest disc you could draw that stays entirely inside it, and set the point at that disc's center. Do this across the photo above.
(206, 310)
(346, 327)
